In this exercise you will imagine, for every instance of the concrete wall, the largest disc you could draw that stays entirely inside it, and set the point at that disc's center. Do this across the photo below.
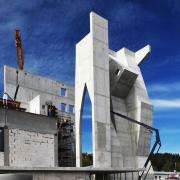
(31, 85)
(122, 141)
(61, 176)
(29, 140)
(16, 176)
(27, 121)
(35, 105)
(1, 158)
(31, 149)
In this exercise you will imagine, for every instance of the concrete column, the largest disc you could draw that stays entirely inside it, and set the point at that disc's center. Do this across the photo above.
(92, 71)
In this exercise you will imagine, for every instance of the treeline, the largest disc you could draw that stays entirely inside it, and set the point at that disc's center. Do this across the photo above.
(87, 159)
(165, 162)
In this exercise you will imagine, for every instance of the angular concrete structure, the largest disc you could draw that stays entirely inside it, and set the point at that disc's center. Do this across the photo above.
(115, 83)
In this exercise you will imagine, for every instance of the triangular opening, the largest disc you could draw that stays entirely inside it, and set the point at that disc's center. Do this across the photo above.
(86, 128)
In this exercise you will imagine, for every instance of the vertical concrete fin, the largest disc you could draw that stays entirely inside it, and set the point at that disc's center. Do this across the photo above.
(99, 27)
(142, 54)
(101, 93)
(92, 72)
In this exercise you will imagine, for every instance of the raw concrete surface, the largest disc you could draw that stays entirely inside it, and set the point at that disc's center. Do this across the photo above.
(16, 177)
(32, 85)
(29, 139)
(115, 83)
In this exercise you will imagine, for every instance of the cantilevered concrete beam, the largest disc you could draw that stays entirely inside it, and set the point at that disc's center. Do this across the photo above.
(142, 54)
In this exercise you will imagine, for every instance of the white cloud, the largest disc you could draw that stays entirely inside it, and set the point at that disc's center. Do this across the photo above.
(164, 103)
(164, 87)
(87, 116)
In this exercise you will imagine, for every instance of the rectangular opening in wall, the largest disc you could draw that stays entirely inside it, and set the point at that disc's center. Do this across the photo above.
(1, 139)
(63, 92)
(63, 107)
(71, 108)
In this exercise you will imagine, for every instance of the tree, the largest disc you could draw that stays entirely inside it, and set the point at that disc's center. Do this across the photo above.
(87, 159)
(165, 162)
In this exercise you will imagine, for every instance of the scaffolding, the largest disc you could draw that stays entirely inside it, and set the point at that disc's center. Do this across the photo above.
(66, 142)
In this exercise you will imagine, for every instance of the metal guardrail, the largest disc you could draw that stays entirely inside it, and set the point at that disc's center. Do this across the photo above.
(119, 175)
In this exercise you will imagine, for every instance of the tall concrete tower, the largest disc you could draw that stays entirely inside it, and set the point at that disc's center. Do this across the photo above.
(115, 83)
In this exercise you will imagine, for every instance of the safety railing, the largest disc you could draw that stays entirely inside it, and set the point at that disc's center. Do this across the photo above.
(119, 175)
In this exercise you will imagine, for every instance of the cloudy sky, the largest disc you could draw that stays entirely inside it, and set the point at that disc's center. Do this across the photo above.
(51, 28)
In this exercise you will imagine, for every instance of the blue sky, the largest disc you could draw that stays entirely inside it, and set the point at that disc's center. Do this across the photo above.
(51, 28)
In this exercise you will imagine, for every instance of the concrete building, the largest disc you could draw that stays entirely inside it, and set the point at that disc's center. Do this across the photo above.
(162, 175)
(35, 94)
(115, 83)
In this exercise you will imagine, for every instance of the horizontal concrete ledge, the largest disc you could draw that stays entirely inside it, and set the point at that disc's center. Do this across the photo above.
(27, 121)
(7, 169)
